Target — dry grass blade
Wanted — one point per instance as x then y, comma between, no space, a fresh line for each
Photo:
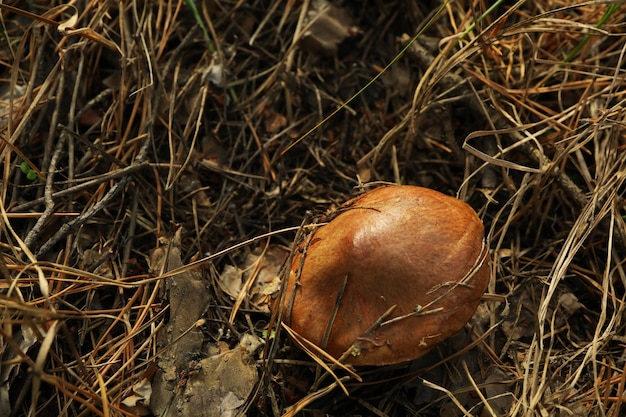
318,355
295,409
449,394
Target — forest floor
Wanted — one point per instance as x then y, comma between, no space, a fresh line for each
160,157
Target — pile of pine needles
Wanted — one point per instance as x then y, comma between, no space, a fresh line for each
144,141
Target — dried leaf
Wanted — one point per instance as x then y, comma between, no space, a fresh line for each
90,34
328,26
181,339
569,304
220,384
216,74
231,280
25,338
139,399
263,268
273,121
230,403
68,28
69,24
498,390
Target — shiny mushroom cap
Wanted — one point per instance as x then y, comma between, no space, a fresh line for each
410,247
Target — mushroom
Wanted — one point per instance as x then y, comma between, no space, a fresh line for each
397,270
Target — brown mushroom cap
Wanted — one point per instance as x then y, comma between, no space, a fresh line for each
407,246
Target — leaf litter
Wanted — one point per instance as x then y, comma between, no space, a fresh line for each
172,147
